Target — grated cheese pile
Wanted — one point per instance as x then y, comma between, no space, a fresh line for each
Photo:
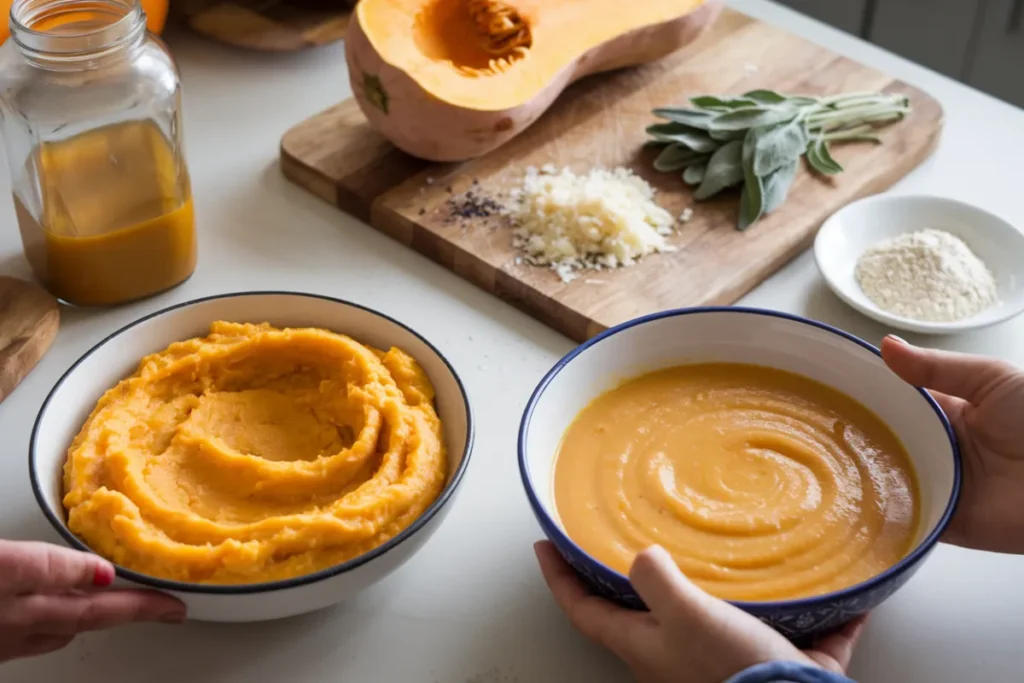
604,219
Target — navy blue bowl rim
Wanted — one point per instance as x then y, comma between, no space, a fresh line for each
767,607
267,586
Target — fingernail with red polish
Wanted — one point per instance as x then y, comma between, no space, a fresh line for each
104,575
175,617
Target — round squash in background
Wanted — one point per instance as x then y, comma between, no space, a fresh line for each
156,16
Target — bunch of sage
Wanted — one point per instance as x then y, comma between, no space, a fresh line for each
756,141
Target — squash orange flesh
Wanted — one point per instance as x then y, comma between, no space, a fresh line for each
156,16
438,45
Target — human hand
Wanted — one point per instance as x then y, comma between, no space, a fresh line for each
49,594
688,636
984,400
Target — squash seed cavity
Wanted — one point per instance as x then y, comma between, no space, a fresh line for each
478,38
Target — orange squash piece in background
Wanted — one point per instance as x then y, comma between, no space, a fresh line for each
156,16
450,80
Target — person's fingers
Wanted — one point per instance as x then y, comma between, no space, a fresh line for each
835,651
682,606
953,407
42,644
620,630
32,567
664,588
70,614
959,375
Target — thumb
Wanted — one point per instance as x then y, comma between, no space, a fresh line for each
835,651
33,567
955,374
665,589
721,636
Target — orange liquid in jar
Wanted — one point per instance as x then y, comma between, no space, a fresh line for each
116,221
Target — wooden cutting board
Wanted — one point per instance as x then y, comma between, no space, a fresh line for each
600,121
29,318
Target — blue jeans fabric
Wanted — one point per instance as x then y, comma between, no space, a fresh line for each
787,672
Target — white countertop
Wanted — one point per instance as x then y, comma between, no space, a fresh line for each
471,606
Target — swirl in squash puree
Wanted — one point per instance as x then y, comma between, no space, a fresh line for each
255,454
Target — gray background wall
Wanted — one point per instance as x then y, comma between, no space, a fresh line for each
979,42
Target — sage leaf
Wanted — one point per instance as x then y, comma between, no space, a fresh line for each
803,102
694,175
727,135
755,140
826,155
779,146
777,184
701,160
725,170
820,158
676,158
772,97
712,102
750,205
866,137
688,117
813,161
697,140
753,117
765,97
667,129
752,199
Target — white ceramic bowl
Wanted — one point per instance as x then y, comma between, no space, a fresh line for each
72,399
862,224
765,338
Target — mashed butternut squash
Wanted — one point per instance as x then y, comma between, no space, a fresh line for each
255,454
763,485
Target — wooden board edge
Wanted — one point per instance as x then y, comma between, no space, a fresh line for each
466,265
30,352
318,184
221,21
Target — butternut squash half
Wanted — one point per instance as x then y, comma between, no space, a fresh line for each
449,80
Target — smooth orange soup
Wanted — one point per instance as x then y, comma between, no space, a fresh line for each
762,484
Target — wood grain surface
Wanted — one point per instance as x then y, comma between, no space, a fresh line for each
29,318
267,25
600,121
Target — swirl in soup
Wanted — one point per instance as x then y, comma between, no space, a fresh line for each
762,484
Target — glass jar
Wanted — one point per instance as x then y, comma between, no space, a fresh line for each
90,115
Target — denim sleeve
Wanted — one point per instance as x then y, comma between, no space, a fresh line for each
787,672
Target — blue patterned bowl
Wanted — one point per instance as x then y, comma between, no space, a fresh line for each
766,338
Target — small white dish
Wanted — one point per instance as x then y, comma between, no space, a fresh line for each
72,399
862,224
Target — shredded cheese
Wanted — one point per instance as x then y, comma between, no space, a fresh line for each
604,219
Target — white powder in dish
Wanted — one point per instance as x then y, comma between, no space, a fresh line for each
928,275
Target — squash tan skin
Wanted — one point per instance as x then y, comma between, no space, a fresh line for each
424,126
